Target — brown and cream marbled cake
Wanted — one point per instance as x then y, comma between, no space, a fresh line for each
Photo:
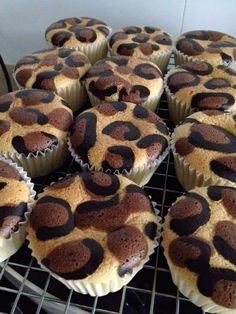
120,78
96,239
199,241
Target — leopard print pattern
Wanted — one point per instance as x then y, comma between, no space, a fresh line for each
121,78
12,205
203,86
51,69
215,47
140,41
73,32
32,120
200,242
119,136
108,221
207,140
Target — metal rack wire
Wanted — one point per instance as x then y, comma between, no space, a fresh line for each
26,288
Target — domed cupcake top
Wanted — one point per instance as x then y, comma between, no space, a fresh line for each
119,136
32,120
200,241
207,141
73,32
204,86
14,196
212,46
121,78
139,41
51,69
108,221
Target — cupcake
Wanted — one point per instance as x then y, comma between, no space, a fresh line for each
95,240
198,86
204,149
86,34
199,241
146,42
214,47
121,78
14,207
60,70
34,125
120,138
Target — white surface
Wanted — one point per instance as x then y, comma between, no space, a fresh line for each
23,22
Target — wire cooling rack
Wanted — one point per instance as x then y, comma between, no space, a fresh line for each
26,288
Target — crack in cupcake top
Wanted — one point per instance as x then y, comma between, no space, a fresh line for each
120,78
215,47
12,205
210,137
32,120
201,86
76,32
119,136
108,219
208,248
140,41
51,69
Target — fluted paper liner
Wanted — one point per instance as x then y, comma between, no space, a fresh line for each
140,175
113,284
9,246
42,162
190,177
192,292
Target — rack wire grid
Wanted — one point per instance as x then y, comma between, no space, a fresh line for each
26,288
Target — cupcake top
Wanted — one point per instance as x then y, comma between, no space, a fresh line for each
140,41
199,239
121,78
102,231
212,46
119,136
14,196
76,32
203,86
32,120
51,69
207,141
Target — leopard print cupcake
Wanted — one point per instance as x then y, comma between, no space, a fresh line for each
122,138
16,199
199,241
60,70
204,149
95,240
146,42
121,78
34,125
215,47
86,34
198,86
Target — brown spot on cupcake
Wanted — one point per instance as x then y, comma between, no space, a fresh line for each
118,157
8,171
45,80
210,100
4,126
147,71
180,80
114,160
146,49
61,119
99,68
23,76
27,116
210,133
217,83
214,36
117,36
33,97
183,147
48,60
110,109
122,131
124,69
189,47
162,39
70,72
224,293
224,167
141,38
185,207
5,102
129,246
64,183
213,112
8,225
229,201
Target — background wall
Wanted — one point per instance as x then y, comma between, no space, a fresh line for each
23,22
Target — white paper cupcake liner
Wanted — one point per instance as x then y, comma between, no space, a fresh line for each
189,177
113,284
140,175
9,246
178,110
74,94
43,162
152,103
